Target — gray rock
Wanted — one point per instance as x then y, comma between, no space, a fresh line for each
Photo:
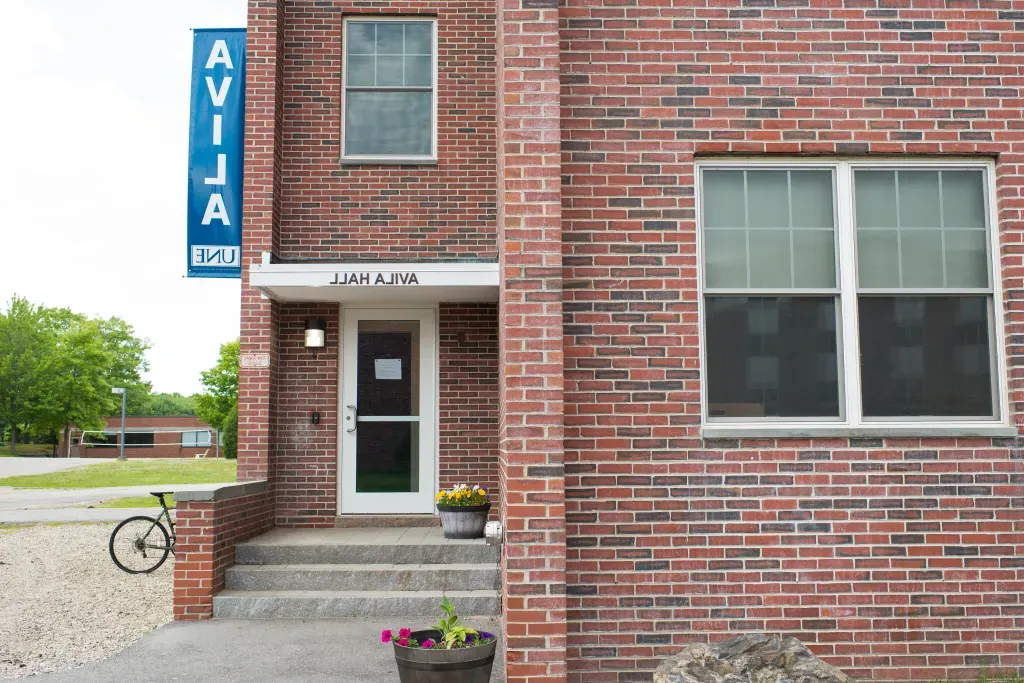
748,659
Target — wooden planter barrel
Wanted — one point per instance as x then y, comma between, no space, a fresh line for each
463,521
437,665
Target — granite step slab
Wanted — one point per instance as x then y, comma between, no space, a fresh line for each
234,604
260,552
363,577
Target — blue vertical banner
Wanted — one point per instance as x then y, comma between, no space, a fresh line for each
215,149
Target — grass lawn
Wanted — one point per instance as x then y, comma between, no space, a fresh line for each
135,502
130,473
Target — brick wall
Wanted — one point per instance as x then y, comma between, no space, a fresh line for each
207,533
261,220
160,450
530,352
468,407
893,559
305,460
437,211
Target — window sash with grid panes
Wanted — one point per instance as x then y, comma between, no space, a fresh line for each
388,81
196,439
847,293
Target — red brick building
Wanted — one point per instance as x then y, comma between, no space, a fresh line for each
145,437
722,301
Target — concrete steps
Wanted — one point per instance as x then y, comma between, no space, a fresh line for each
362,577
254,552
342,573
346,604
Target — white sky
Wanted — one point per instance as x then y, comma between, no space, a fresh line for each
93,171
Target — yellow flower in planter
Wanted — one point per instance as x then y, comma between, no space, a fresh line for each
483,492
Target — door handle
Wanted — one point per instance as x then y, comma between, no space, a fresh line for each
354,418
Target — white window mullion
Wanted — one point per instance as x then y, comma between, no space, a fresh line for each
850,341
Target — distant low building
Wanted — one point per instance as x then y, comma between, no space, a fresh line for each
145,437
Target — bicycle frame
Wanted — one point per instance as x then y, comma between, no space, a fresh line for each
165,513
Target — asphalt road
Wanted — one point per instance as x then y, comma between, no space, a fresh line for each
27,499
15,467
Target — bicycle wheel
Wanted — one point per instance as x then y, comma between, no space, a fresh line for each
139,545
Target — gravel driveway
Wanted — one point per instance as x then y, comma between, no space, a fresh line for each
64,603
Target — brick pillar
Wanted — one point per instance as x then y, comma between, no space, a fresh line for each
259,316
209,524
530,322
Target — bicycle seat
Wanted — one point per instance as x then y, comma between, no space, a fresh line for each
160,493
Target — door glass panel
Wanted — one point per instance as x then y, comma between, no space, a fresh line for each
387,457
388,386
388,368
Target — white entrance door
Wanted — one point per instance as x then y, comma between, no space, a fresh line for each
388,420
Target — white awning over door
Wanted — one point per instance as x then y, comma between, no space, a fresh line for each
352,282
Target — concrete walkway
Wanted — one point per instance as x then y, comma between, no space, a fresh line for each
273,651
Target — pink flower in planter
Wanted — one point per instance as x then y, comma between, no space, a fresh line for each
428,643
385,636
404,632
404,642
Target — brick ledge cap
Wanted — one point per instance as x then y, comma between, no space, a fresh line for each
222,492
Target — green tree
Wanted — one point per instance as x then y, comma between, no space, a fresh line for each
218,405
23,346
128,362
231,434
171,404
220,382
75,380
57,367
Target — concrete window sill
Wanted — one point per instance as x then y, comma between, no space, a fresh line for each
389,161
724,431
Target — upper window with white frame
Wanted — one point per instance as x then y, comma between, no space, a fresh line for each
389,90
849,293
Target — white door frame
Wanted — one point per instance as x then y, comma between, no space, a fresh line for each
421,502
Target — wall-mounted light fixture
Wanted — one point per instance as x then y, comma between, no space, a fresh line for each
316,334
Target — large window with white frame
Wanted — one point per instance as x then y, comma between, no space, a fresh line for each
389,111
849,293
198,439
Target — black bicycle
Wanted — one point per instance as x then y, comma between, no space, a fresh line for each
139,545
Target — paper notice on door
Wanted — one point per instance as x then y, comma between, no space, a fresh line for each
387,368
